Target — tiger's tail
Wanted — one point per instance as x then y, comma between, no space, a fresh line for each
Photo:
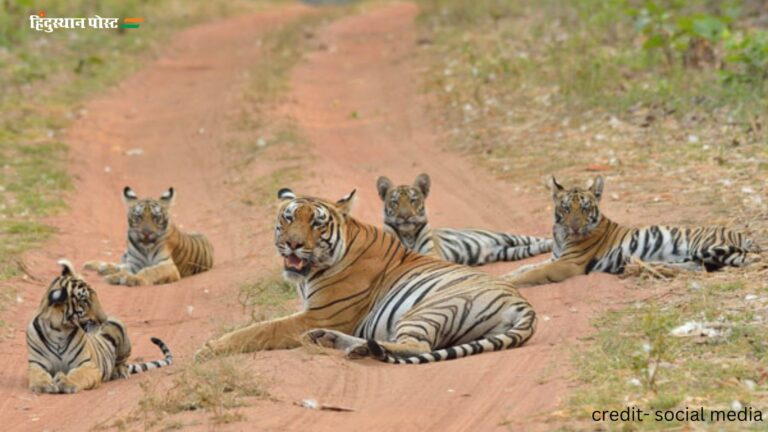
135,368
516,336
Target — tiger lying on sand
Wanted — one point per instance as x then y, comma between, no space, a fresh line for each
405,215
365,293
586,242
157,251
73,345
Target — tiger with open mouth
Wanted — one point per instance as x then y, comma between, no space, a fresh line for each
365,293
157,252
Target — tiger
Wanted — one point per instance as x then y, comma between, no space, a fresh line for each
157,251
73,345
405,216
586,241
365,293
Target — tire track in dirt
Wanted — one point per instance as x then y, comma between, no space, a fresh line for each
176,110
361,106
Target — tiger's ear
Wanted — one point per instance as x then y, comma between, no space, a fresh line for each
596,186
285,194
345,204
383,184
555,187
67,269
129,196
167,197
423,183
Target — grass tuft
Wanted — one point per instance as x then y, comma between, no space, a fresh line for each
267,298
216,388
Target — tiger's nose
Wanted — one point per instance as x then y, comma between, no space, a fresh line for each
294,244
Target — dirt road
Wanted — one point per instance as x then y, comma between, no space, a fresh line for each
359,103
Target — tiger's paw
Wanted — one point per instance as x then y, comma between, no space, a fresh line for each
207,352
126,279
61,381
97,266
46,387
752,258
92,265
101,267
358,352
321,337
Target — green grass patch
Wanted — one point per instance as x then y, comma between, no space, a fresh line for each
559,87
635,360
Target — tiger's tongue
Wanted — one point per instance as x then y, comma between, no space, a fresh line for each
294,261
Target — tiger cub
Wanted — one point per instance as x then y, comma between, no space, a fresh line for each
157,251
73,345
586,242
405,215
364,293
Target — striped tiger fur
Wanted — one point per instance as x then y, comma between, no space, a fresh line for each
405,216
73,345
365,293
586,242
157,251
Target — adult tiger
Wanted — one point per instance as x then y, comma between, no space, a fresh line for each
586,242
157,251
365,293
73,345
405,215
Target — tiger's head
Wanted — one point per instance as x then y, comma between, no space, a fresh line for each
310,233
576,209
148,219
70,302
405,209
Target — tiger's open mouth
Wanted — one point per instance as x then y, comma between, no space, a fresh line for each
407,226
295,264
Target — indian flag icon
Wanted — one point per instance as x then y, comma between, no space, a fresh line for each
132,22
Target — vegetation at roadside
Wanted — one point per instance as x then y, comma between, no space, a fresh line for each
704,343
267,298
576,87
665,98
216,389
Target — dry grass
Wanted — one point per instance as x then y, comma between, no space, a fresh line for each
267,298
216,388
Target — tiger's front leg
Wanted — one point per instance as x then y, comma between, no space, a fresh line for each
84,377
280,333
104,268
125,278
526,268
40,381
165,272
556,271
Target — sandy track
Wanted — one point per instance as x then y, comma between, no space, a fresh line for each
174,113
